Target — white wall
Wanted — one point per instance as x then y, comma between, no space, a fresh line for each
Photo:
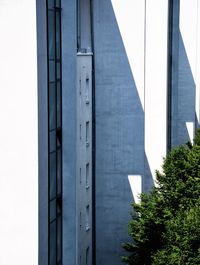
189,29
18,133
156,82
144,34
198,65
130,17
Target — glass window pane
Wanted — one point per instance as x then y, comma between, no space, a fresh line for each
52,254
52,210
59,137
52,139
51,71
57,3
52,174
59,172
59,239
58,35
58,104
52,106
58,70
50,3
59,205
51,34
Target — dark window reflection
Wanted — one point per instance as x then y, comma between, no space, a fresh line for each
52,106
51,34
58,70
55,131
59,183
52,252
52,141
57,35
52,72
52,175
50,3
52,210
57,3
58,104
59,253
59,137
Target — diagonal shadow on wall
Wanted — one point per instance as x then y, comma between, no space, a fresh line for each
119,136
183,95
120,129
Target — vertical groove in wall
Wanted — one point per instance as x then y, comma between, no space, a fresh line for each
169,74
93,139
145,4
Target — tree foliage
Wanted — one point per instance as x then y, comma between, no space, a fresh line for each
165,226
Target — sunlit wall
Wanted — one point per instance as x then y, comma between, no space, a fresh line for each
18,134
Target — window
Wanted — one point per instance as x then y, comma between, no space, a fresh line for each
80,132
87,101
80,176
87,133
54,131
87,227
84,42
87,175
80,221
87,256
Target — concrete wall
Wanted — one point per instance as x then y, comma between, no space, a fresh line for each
42,131
130,45
84,164
69,130
18,133
185,71
119,121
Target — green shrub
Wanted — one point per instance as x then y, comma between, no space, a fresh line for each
165,226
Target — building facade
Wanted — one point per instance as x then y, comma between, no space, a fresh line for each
116,85
130,92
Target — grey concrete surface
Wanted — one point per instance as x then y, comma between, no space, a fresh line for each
84,183
119,136
69,130
186,94
183,86
43,131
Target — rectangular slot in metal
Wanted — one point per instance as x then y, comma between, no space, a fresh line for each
87,227
87,133
87,175
87,255
87,84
